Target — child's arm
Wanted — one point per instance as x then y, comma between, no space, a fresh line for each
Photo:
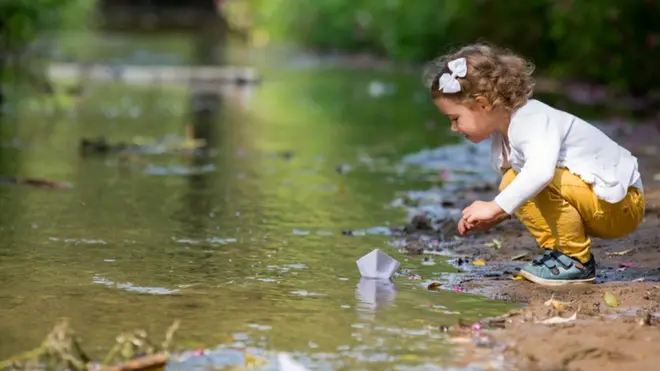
539,140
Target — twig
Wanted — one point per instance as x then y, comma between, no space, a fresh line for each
61,349
144,363
30,354
111,354
169,335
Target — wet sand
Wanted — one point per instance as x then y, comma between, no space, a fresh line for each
601,336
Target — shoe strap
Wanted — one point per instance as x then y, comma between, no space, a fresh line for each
565,261
550,259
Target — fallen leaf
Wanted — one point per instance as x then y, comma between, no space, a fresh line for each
558,305
479,262
558,320
619,253
495,244
435,286
610,300
519,256
252,361
517,278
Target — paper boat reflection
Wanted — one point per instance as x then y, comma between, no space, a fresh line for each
375,293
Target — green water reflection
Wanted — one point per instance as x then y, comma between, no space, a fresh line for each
129,247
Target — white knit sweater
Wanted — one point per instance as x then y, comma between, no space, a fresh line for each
542,138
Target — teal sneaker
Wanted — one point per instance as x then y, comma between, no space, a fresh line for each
556,269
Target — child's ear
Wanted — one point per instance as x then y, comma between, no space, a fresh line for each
483,103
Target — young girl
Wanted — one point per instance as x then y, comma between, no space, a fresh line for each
564,179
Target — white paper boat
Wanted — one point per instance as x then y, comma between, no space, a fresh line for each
377,265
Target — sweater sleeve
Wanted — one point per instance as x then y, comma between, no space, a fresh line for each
539,141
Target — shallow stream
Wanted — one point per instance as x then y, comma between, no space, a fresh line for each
244,243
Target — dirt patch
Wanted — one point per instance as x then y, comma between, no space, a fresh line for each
600,336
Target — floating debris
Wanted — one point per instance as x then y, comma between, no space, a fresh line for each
133,288
76,241
300,232
212,240
179,170
306,293
260,327
144,146
434,286
376,231
428,261
35,182
222,241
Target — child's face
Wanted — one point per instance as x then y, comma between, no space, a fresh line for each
476,123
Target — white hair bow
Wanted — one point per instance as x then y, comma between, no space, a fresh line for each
448,82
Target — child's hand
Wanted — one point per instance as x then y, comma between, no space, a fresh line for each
463,227
481,212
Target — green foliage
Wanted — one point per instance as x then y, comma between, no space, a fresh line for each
22,20
609,41
391,27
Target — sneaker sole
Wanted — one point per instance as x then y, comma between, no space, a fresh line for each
546,282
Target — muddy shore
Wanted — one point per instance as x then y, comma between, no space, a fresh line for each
599,336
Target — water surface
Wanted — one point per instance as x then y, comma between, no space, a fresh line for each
243,243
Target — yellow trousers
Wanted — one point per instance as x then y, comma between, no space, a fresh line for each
564,214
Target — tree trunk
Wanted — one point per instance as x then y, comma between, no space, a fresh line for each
3,58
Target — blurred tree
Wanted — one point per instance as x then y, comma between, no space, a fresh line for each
606,41
21,21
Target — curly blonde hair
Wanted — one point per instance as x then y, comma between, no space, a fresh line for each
499,75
